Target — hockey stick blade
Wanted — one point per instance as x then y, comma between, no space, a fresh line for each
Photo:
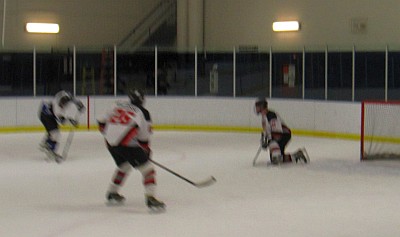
68,144
211,180
201,184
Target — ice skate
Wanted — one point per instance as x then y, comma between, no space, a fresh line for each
51,155
154,204
115,199
302,156
58,158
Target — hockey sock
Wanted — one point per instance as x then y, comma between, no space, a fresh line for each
119,177
149,178
52,145
53,138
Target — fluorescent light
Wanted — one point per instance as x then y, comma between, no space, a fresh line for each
51,28
286,26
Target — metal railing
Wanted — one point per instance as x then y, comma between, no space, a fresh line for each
323,74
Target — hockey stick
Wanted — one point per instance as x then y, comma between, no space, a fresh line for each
69,139
68,143
256,157
201,184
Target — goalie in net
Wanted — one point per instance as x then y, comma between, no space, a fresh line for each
276,135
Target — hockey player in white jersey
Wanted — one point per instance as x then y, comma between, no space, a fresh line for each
276,135
127,128
64,108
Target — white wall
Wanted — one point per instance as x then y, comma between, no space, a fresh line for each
232,23
331,117
84,23
228,23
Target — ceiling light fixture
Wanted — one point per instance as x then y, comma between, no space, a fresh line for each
46,28
279,26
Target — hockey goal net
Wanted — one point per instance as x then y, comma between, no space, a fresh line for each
380,130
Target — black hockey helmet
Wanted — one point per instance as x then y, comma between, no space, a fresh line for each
261,103
65,98
136,96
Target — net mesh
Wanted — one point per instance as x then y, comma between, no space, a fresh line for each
381,130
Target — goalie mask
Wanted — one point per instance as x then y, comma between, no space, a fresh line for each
136,96
261,104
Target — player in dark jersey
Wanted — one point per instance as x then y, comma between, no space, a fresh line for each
276,135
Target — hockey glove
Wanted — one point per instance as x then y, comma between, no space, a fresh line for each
74,122
101,126
61,120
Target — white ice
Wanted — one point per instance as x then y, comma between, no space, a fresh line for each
335,195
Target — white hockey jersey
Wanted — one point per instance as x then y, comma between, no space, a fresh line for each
61,114
127,125
273,125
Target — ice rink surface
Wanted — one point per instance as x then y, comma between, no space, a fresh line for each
335,195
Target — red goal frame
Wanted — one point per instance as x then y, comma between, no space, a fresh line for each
362,133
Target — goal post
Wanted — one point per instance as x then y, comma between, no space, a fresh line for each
380,130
